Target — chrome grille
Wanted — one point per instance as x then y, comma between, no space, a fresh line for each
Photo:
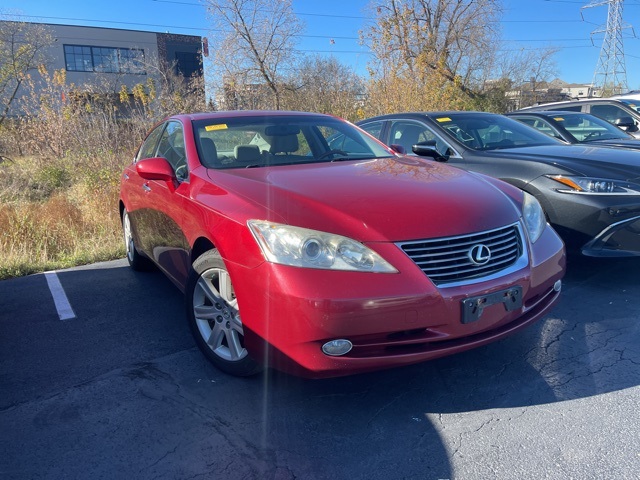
448,260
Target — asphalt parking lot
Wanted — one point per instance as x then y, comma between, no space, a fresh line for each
110,385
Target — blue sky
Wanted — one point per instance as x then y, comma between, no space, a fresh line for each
332,26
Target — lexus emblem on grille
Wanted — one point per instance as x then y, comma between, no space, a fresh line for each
479,254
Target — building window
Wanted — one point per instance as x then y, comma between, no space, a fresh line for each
78,59
84,58
188,64
105,59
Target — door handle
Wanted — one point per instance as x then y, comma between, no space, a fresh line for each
146,187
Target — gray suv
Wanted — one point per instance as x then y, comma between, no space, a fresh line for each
622,113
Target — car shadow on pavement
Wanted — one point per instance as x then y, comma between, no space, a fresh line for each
164,412
391,421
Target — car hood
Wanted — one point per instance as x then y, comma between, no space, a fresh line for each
392,199
600,161
632,143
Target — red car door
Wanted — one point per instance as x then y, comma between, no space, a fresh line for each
157,207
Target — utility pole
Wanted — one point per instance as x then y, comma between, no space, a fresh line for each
610,76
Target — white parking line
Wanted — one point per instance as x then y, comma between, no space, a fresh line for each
65,312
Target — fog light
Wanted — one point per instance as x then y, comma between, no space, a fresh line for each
557,286
335,348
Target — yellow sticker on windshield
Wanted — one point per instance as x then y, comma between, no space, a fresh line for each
443,119
220,126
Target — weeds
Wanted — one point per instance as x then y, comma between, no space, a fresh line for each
60,165
67,229
58,212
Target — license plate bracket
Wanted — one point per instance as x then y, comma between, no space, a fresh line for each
473,307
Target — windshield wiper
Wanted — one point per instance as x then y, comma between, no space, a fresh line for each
595,140
343,159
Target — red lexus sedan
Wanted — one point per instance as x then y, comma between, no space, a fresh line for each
304,244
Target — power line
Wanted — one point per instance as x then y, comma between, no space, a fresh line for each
328,37
116,22
204,29
159,25
304,14
362,17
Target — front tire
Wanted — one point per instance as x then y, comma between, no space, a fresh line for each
214,317
136,261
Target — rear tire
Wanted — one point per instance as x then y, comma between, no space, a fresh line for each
214,317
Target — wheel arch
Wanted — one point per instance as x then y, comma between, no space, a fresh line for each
201,245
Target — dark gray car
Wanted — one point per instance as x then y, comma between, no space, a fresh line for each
591,195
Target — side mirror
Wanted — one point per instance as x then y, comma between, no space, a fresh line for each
626,123
156,168
398,148
429,151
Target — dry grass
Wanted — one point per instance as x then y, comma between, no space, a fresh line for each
46,225
59,186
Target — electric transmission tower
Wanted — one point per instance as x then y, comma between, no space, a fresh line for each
610,76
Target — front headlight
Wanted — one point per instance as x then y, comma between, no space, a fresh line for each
594,186
302,247
533,217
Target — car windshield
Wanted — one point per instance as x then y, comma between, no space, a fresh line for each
588,128
272,140
479,131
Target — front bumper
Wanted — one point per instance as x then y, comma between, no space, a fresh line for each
620,239
398,319
596,225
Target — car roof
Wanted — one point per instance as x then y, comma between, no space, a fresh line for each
246,113
576,102
548,113
428,114
632,95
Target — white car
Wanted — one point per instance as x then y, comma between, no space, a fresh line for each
633,95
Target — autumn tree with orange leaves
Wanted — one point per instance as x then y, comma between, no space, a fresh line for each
431,54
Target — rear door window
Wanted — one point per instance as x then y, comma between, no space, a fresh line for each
374,129
611,113
539,124
408,133
567,108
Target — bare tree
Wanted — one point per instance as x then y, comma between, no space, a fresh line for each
256,45
532,68
323,84
454,39
23,49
